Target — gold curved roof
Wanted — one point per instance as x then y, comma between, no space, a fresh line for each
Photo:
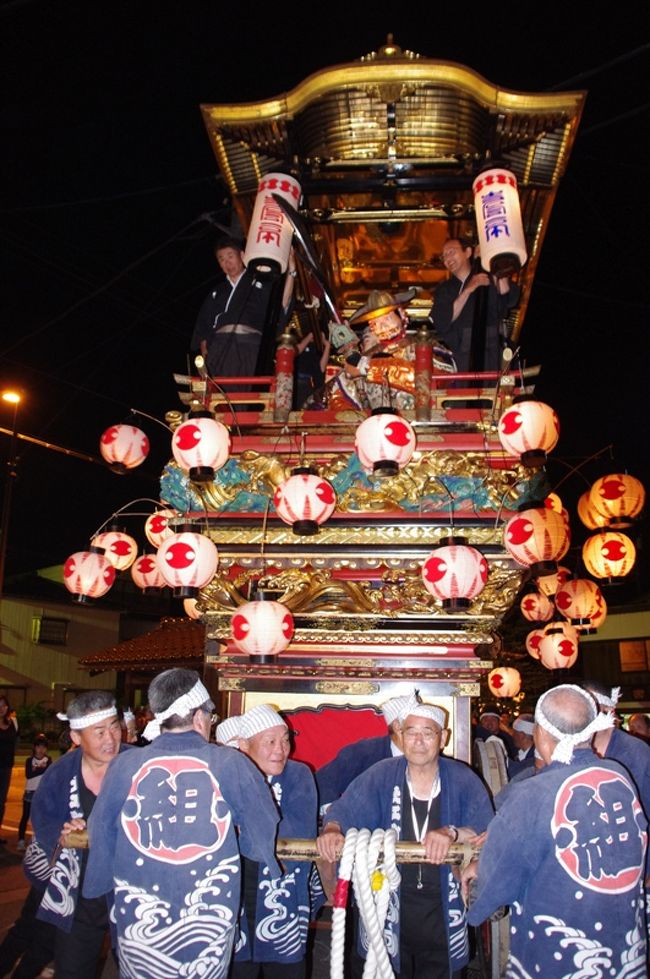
385,150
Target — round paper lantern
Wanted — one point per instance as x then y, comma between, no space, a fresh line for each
577,600
597,618
537,538
187,561
119,547
88,574
536,607
156,526
498,221
455,573
504,681
124,447
262,629
201,446
558,648
533,639
588,513
608,554
384,442
146,574
305,501
548,584
618,498
529,429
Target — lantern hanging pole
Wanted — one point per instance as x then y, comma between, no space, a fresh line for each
140,499
136,411
199,362
576,469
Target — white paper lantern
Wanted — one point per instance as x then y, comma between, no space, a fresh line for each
618,498
504,681
201,446
262,629
124,447
146,574
536,538
156,526
608,554
455,574
305,501
187,561
529,430
120,548
270,233
384,442
558,648
536,607
498,221
88,574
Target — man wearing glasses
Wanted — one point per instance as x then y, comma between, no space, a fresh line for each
427,798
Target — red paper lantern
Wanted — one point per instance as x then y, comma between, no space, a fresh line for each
455,573
201,446
618,498
156,526
504,681
124,447
558,648
529,429
536,607
608,554
187,561
588,514
88,574
548,584
384,442
262,629
533,639
577,600
120,548
536,538
305,501
146,574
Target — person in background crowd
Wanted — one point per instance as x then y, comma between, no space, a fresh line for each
639,726
275,913
522,737
8,738
566,852
35,767
166,835
489,726
432,799
333,778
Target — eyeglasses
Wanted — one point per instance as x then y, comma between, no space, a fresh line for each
213,717
426,733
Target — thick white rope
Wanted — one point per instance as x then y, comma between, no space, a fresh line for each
340,900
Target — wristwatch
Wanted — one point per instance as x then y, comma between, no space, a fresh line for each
452,829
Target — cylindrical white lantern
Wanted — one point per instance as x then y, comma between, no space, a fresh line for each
262,629
529,429
270,232
88,574
498,221
305,501
187,561
124,447
201,446
384,442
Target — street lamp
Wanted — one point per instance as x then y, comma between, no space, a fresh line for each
12,398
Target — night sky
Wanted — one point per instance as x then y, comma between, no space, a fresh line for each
108,175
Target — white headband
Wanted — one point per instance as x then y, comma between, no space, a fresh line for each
128,715
182,706
526,727
259,719
228,731
563,750
435,714
606,701
392,708
77,723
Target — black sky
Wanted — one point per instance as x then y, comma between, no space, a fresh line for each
107,168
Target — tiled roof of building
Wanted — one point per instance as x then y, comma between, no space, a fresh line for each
176,642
